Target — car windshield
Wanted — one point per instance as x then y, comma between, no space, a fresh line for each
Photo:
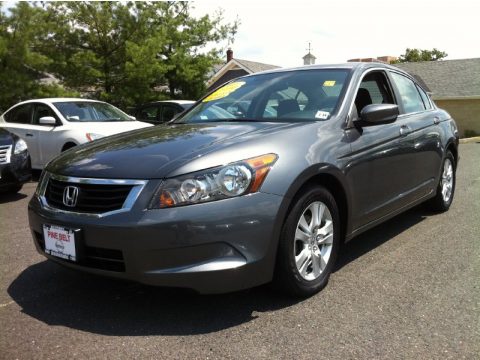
301,95
88,111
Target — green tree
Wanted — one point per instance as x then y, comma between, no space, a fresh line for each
124,52
416,55
22,65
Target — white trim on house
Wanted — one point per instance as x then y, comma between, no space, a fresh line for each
231,65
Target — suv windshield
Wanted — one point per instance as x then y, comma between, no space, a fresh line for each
302,95
87,111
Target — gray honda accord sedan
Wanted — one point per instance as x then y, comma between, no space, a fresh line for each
261,180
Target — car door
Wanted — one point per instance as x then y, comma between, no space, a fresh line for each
47,136
421,119
19,121
378,172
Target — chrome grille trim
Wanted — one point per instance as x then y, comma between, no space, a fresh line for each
137,187
5,154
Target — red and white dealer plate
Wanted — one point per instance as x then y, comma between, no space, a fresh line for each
59,242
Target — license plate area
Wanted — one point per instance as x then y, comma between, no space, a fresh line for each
60,242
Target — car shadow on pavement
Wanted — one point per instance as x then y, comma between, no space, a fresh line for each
6,198
380,234
59,296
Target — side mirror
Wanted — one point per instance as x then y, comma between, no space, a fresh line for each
132,117
376,114
47,120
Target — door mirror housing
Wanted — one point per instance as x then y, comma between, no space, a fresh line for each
132,117
47,120
376,114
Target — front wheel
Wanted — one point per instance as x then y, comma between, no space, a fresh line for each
446,185
309,243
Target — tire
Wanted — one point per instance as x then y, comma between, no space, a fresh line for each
446,185
300,271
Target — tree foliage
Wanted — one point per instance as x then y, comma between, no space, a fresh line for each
123,52
417,55
22,66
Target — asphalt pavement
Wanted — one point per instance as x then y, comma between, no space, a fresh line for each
408,289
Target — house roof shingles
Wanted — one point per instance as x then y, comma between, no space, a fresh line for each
448,78
255,67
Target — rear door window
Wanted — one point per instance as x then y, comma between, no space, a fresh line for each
411,99
426,100
20,115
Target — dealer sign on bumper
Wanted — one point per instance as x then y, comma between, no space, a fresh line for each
59,242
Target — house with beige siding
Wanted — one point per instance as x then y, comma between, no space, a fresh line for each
454,85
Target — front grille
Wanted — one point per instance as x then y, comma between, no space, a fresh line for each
92,198
97,258
5,152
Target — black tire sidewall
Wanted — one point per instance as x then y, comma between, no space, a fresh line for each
291,279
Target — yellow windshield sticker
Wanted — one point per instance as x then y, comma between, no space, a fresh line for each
224,91
329,83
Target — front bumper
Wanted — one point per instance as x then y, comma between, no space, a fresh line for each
214,247
18,171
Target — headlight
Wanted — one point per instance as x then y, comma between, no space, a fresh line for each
93,136
235,179
20,146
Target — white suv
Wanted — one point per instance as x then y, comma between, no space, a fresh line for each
50,126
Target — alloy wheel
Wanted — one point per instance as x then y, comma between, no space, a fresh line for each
313,240
447,180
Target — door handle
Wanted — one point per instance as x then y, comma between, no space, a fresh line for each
29,135
405,130
436,120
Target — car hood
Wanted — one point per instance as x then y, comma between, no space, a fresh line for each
155,152
107,128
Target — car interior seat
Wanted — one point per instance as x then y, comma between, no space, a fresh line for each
363,99
287,106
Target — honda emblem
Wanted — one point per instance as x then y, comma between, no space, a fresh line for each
70,196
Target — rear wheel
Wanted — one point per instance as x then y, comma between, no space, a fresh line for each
446,185
309,243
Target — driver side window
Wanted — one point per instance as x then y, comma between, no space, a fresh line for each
42,110
374,89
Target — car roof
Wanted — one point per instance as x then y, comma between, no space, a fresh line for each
348,66
179,102
52,100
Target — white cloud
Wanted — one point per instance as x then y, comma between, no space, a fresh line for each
278,32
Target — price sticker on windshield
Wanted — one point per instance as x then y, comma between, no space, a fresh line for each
224,91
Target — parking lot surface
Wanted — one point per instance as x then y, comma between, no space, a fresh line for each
410,288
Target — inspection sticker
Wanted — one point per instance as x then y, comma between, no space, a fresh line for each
224,91
329,83
322,115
